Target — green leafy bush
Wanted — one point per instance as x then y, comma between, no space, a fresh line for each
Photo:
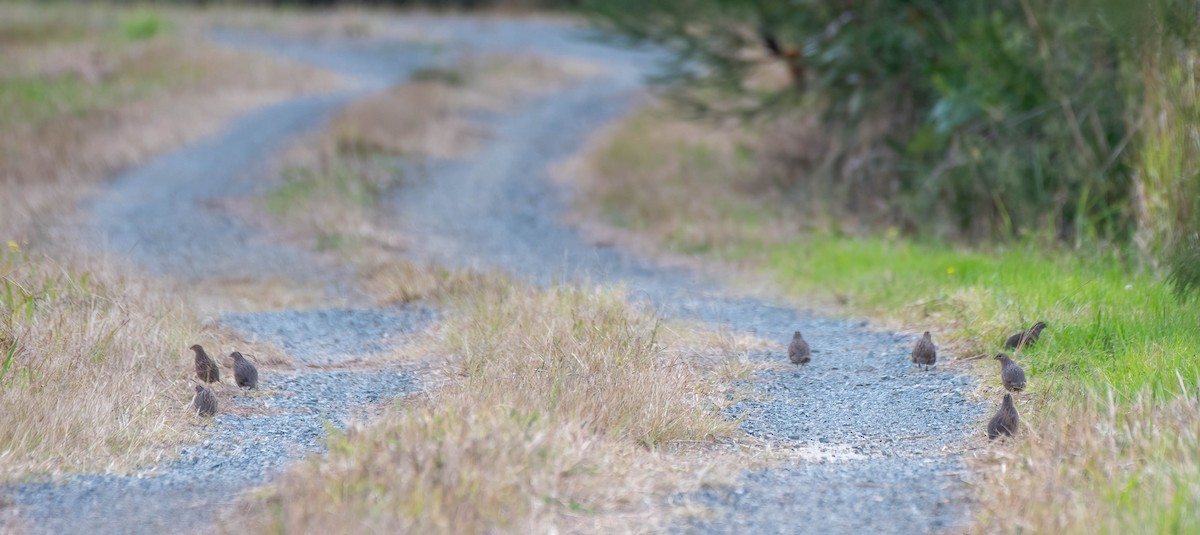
976,118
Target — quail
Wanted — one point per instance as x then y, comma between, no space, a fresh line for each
244,372
793,56
1025,338
798,351
1006,419
1011,373
206,368
924,353
204,402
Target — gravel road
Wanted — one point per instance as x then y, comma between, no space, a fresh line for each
861,394
861,397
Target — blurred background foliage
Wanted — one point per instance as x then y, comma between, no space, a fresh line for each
1064,121
1070,123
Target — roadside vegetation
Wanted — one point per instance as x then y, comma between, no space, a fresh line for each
93,355
1109,418
968,169
563,408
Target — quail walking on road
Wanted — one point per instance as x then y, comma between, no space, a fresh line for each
1011,373
1006,419
204,402
206,368
244,371
798,351
924,353
1025,338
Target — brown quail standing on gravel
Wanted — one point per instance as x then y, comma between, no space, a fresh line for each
798,351
206,368
1025,338
1006,419
1011,373
924,353
204,402
244,371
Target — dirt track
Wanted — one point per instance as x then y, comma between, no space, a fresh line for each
860,398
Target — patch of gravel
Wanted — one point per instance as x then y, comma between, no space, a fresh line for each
875,402
331,335
208,478
810,498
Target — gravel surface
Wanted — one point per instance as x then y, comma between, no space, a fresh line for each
915,497
333,335
885,422
243,451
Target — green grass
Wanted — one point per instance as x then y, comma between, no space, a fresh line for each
143,25
341,182
36,94
36,99
1109,326
450,77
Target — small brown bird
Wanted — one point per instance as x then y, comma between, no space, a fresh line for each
924,353
244,371
1011,373
206,368
791,55
1025,338
798,351
204,402
1006,419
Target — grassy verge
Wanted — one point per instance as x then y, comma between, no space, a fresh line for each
94,370
86,91
1110,440
94,363
559,409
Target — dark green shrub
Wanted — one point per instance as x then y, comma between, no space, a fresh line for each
1183,269
992,118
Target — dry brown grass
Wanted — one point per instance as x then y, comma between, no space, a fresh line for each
664,179
427,116
94,368
561,409
1097,466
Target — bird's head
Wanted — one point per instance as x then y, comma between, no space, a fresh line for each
1037,327
199,389
927,335
1001,357
236,355
196,348
1008,400
796,336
